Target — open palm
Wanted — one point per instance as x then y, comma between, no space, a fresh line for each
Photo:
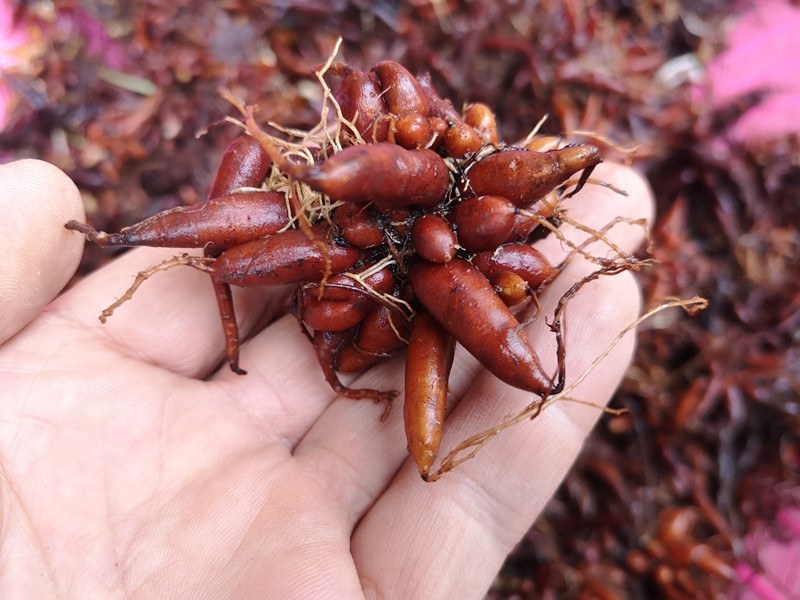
132,464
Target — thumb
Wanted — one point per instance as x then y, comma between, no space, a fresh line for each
38,256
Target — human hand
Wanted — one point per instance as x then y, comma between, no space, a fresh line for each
134,465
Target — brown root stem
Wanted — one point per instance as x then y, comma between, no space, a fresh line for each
196,262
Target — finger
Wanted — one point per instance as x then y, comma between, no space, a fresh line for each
39,256
368,453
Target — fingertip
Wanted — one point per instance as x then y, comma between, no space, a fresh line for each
39,255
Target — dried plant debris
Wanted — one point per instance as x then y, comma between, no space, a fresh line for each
114,94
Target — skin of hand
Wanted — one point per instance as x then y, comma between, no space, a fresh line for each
134,465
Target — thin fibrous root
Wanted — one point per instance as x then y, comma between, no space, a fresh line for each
386,411
578,248
200,263
603,141
594,181
535,131
470,447
600,234
596,235
557,328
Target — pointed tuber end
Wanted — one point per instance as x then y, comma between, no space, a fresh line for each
100,238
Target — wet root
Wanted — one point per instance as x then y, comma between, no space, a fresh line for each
201,263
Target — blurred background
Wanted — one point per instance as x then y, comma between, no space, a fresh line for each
694,492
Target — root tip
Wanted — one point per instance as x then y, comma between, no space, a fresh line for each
388,397
98,237
74,225
237,369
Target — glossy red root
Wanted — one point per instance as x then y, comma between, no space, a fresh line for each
326,345
225,222
524,176
466,305
522,260
386,174
286,257
433,239
361,100
380,335
244,164
428,361
483,222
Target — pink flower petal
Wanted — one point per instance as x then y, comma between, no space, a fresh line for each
12,37
779,576
763,51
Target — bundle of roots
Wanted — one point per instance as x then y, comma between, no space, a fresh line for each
405,224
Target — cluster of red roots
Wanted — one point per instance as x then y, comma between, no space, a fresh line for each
408,226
